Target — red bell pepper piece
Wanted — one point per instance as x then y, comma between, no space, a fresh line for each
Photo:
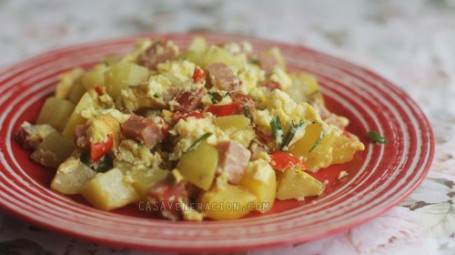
282,161
222,110
99,149
198,75
99,90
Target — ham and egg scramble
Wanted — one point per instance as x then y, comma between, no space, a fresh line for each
189,131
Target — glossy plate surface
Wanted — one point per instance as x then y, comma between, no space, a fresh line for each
379,177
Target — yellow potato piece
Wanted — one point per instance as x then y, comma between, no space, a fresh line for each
54,149
231,202
144,178
198,166
296,184
86,102
71,175
260,179
237,127
55,112
108,191
94,77
102,126
122,75
344,148
77,91
315,146
232,123
67,82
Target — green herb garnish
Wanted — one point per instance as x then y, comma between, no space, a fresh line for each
105,164
316,144
215,97
247,111
156,95
254,61
199,140
376,137
277,129
85,158
291,133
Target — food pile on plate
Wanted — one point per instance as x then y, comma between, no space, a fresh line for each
214,131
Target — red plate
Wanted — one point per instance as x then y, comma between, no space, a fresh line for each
379,178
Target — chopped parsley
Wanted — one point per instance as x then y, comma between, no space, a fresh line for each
376,137
215,97
277,129
102,166
105,164
254,61
291,133
247,111
318,141
85,158
199,140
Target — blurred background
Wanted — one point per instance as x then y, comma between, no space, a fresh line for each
411,43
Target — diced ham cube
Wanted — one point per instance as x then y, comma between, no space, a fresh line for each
222,77
190,100
271,85
233,158
30,136
143,129
243,100
80,137
267,62
159,52
167,196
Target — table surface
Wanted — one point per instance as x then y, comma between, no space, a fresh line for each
412,45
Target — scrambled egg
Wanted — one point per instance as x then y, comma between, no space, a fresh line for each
137,154
189,130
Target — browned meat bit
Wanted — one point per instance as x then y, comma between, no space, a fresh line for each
242,101
30,136
233,159
159,52
80,137
188,101
166,196
268,62
143,129
222,77
271,85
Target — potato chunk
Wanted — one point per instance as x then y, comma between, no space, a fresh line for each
94,77
55,112
237,127
260,179
77,91
144,178
122,75
230,202
344,148
108,191
315,146
296,184
198,166
54,149
86,102
71,175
